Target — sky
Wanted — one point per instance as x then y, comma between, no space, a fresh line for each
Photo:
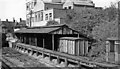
10,9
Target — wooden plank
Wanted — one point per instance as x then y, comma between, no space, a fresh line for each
20,39
35,41
86,47
53,42
43,43
74,53
78,35
25,39
29,40
81,47
118,49
65,46
78,47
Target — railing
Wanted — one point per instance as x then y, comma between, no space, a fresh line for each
76,59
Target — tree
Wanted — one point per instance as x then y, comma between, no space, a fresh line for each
100,24
112,12
85,20
108,28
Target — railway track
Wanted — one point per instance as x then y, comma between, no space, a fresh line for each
29,62
5,66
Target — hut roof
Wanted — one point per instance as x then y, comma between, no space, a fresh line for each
52,29
71,38
41,30
113,38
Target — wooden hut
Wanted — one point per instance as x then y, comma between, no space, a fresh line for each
47,36
113,50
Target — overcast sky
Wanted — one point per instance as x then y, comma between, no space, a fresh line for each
16,8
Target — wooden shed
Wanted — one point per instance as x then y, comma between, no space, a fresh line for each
47,36
73,45
113,50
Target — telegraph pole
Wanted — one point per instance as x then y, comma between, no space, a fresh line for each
119,20
30,18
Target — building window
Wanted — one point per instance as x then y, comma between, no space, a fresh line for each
112,49
35,1
65,7
27,7
50,16
41,16
32,5
36,18
46,17
70,7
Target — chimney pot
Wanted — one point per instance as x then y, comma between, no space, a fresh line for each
20,19
13,20
6,20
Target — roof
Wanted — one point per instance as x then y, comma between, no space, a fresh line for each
48,30
42,30
8,24
71,38
113,38
84,3
50,26
53,3
21,24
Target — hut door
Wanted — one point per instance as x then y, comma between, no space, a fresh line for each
112,48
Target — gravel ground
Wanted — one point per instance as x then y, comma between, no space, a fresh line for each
20,59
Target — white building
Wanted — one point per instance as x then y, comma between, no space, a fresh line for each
39,12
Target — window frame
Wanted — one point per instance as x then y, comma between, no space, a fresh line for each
50,16
46,16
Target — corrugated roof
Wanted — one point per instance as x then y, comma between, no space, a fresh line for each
71,38
84,3
41,30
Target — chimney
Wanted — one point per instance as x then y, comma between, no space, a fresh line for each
6,20
13,19
20,19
